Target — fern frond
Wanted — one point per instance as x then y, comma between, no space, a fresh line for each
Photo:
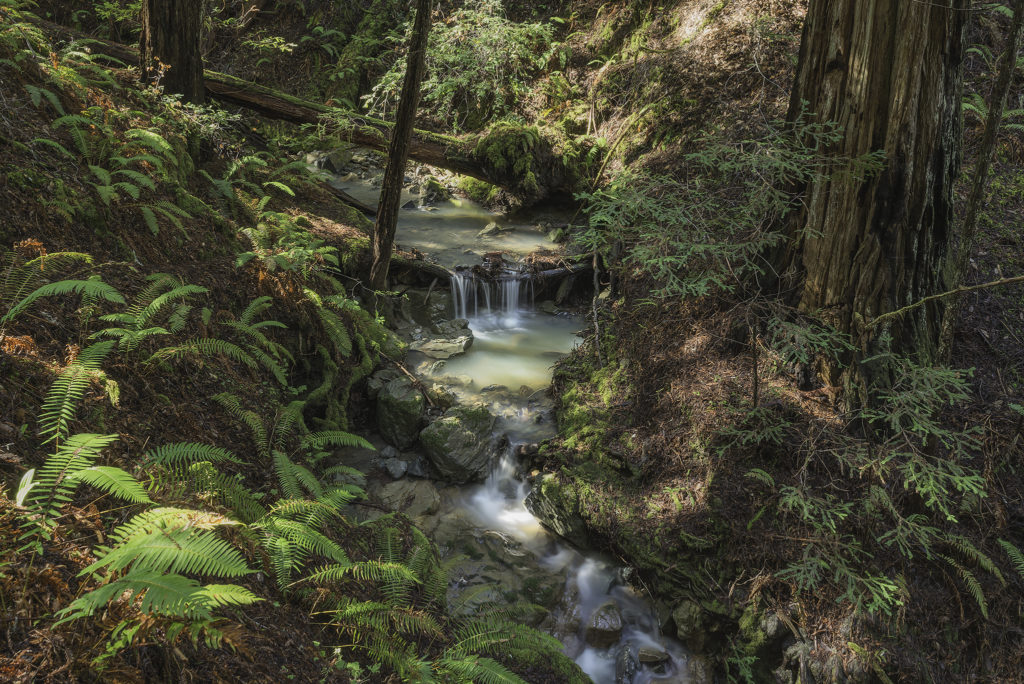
971,552
179,550
62,399
93,288
113,480
477,669
179,455
52,488
205,347
1016,557
972,584
334,438
373,571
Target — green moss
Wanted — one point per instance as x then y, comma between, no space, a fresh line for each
478,190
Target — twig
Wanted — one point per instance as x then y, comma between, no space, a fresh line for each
942,295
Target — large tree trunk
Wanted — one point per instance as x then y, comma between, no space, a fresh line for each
169,46
889,74
398,148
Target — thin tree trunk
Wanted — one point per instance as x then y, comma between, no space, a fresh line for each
398,149
169,47
996,105
889,75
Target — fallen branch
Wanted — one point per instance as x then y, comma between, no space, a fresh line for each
484,157
963,289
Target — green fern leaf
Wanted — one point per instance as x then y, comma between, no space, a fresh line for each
113,480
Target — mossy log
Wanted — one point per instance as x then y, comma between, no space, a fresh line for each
523,160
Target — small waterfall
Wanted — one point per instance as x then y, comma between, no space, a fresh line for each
473,296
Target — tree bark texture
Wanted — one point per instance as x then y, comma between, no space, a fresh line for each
888,73
398,148
171,32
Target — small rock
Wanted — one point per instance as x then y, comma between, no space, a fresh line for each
388,452
548,307
491,229
412,497
349,178
400,409
442,348
651,655
409,205
495,388
396,468
625,665
605,626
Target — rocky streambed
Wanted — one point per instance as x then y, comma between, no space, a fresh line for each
457,434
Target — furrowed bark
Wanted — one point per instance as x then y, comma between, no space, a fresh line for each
889,74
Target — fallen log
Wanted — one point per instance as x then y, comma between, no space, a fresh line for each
520,159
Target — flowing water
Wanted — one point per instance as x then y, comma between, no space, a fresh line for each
508,367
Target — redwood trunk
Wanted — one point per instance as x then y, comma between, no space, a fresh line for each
889,74
169,48
398,149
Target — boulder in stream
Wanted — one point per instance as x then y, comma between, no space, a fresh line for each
442,347
492,229
604,629
400,408
412,497
557,508
459,443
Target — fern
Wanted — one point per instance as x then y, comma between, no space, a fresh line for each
92,288
180,455
478,669
175,550
54,483
61,400
162,594
973,586
1015,555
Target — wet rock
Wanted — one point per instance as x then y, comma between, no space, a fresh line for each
458,444
418,467
400,409
336,160
441,395
377,381
396,467
456,327
409,205
434,191
492,229
412,497
557,508
651,656
548,307
442,348
495,388
388,451
604,628
625,665
689,619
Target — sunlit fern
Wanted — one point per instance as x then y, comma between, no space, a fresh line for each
161,308
24,280
63,397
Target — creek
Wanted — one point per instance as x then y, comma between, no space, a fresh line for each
504,555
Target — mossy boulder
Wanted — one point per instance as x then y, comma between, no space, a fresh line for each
459,443
400,408
557,507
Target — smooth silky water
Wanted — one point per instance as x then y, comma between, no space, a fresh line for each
508,368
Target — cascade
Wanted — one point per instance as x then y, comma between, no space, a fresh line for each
505,295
